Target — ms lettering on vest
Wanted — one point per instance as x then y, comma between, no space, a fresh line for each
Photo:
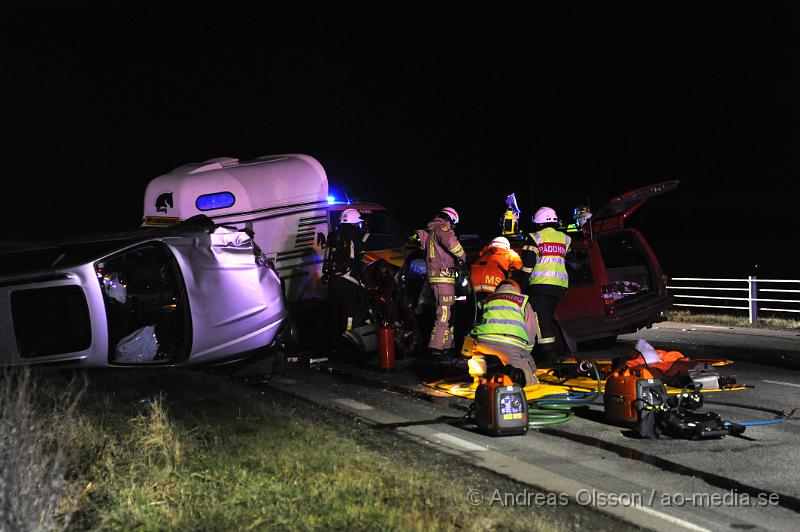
493,280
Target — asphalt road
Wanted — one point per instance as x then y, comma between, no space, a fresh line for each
747,482
770,347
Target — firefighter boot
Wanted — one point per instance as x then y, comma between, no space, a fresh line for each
448,362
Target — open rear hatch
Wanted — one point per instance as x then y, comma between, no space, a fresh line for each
627,256
613,215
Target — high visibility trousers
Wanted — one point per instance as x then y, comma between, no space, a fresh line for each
507,354
442,333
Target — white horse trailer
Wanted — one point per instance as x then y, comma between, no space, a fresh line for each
282,199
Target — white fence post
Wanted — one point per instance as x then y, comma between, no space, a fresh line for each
752,296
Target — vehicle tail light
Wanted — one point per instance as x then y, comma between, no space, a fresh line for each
608,299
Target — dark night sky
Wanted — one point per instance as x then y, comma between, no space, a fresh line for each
418,107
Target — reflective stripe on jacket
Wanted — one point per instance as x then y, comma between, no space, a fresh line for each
441,249
550,265
503,319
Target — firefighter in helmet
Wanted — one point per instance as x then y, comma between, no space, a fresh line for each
443,253
506,330
493,264
580,215
344,273
543,257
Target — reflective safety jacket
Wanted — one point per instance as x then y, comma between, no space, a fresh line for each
492,266
506,318
549,248
442,248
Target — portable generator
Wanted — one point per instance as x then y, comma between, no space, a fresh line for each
631,396
500,407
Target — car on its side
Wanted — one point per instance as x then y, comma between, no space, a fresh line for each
188,295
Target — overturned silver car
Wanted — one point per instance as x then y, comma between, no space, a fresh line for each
188,295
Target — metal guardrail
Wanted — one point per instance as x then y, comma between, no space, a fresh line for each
756,291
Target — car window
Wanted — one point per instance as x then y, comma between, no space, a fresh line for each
579,268
621,251
385,232
145,305
51,321
626,264
335,216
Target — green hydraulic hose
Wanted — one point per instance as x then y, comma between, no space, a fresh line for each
549,415
556,408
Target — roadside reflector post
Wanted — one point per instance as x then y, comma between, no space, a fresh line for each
752,298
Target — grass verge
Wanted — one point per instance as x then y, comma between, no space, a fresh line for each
164,449
733,321
36,437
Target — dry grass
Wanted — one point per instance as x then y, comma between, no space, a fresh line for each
171,450
38,430
733,321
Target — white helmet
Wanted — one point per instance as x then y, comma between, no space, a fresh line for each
350,216
545,215
500,242
451,213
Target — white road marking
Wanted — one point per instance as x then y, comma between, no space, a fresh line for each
783,383
355,405
458,442
671,519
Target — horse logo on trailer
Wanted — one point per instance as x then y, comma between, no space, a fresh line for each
163,202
